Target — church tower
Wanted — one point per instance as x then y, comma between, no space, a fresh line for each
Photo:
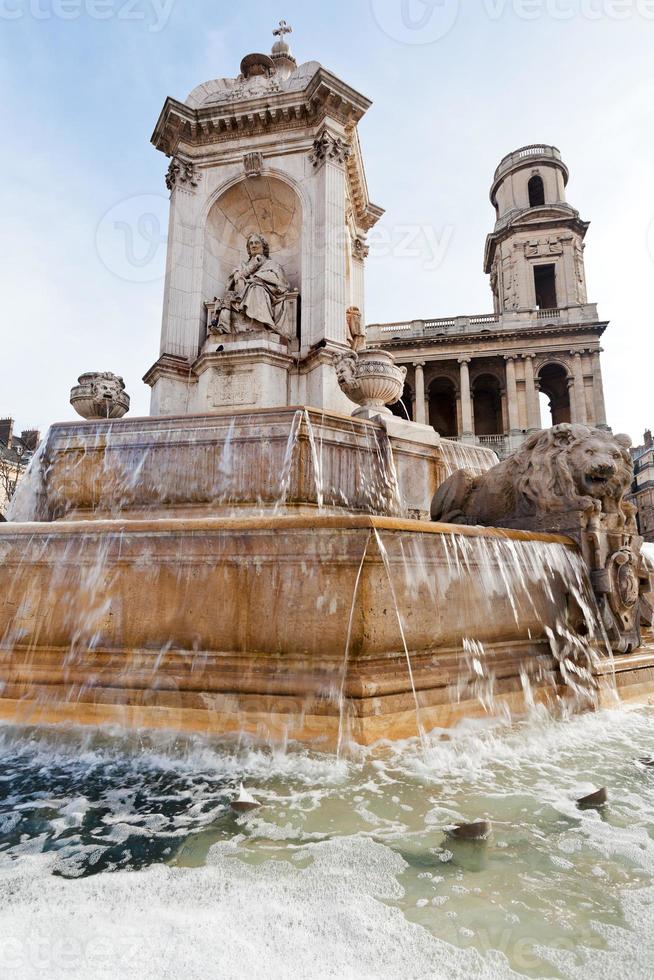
534,255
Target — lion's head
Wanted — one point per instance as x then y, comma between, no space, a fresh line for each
574,465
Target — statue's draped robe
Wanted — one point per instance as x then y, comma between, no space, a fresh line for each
265,294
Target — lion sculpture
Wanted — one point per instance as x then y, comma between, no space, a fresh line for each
558,470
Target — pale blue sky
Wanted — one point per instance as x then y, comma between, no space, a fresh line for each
83,82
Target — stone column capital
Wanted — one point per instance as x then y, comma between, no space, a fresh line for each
528,357
510,357
419,364
464,360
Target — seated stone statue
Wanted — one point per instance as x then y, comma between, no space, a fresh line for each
256,294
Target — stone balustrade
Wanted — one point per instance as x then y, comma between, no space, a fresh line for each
482,323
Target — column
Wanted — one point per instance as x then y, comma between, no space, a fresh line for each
531,392
511,394
578,388
419,400
598,391
466,400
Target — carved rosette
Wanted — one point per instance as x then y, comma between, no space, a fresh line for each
182,173
371,379
329,147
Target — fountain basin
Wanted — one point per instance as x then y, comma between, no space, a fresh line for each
280,626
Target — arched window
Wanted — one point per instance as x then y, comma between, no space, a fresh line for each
442,407
555,397
536,192
487,406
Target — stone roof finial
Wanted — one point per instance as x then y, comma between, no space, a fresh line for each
281,50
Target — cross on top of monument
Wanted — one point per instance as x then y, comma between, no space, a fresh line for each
283,29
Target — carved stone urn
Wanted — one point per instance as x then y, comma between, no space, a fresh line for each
100,395
371,379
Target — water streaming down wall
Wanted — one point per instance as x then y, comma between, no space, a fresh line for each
291,460
146,610
460,456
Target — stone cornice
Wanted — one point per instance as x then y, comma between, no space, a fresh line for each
324,96
367,214
168,366
469,339
550,219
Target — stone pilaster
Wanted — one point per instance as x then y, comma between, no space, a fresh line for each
579,395
598,391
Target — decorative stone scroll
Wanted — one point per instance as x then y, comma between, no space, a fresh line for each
570,479
329,147
181,172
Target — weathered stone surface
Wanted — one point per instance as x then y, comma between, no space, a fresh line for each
242,625
290,459
100,395
371,379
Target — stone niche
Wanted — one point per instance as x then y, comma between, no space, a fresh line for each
262,205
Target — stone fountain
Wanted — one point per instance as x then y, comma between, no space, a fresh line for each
258,554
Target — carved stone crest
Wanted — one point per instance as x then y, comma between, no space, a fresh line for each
253,164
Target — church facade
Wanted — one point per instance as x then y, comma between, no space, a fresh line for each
479,378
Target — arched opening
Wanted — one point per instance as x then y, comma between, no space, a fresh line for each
555,405
442,407
536,192
404,409
265,206
487,402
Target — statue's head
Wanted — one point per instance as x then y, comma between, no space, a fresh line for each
258,245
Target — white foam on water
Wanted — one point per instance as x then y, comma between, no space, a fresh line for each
344,871
227,920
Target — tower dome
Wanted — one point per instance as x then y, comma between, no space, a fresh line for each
534,255
533,176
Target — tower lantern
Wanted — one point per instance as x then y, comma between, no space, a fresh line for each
534,255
